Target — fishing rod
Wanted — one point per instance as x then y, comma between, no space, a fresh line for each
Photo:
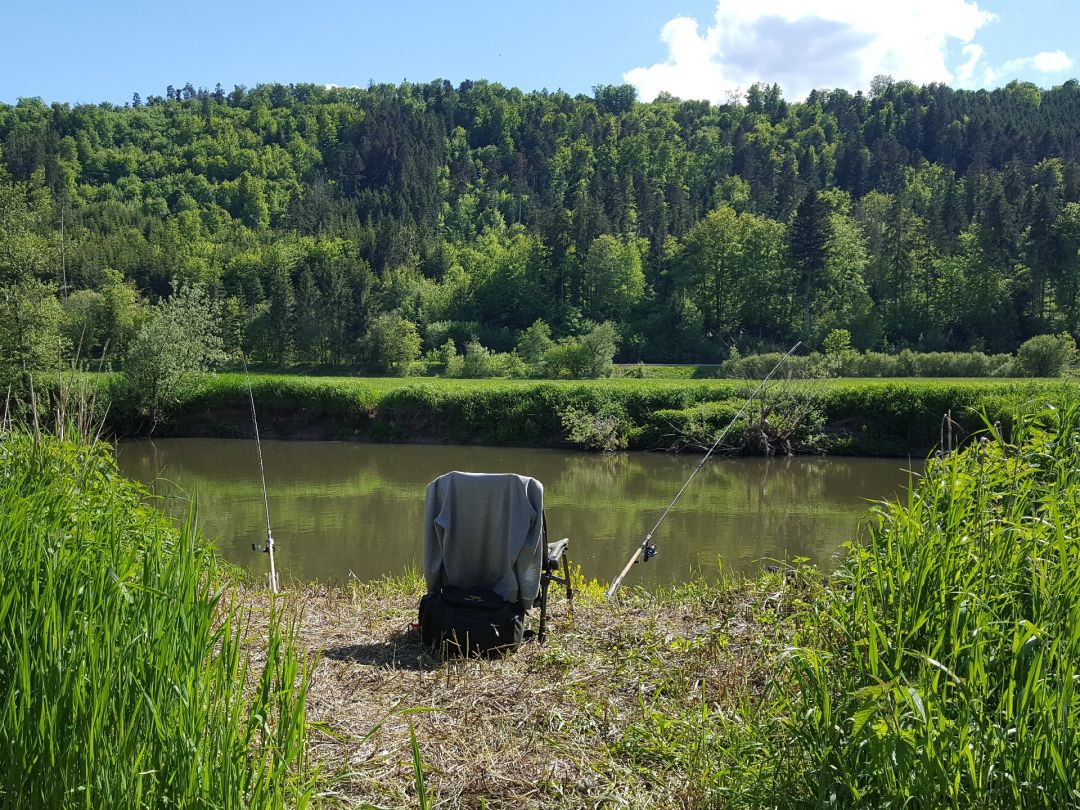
269,547
646,551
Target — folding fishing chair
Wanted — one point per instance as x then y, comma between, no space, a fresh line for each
487,562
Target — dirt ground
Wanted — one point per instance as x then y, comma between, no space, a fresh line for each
572,723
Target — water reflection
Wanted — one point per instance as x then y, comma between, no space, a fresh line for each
338,508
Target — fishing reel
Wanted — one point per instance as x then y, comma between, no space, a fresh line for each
648,551
268,548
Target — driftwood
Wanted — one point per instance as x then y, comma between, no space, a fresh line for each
769,429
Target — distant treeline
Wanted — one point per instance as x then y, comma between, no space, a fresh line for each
320,220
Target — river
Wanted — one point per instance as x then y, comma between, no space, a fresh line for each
343,509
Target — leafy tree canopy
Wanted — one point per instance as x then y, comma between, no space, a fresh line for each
912,217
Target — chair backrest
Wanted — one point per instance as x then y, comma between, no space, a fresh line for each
485,531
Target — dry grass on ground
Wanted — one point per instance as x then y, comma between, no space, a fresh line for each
596,717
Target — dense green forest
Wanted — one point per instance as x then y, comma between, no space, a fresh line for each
361,227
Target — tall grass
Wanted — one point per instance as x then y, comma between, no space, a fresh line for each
939,668
124,677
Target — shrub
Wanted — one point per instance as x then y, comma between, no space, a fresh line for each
179,341
391,343
565,358
478,361
952,364
508,364
875,364
533,342
455,366
440,356
601,342
839,358
756,366
1046,355
603,430
1005,367
587,356
697,426
907,364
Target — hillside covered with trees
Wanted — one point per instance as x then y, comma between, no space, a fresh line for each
361,227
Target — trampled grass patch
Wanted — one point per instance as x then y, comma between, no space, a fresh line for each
625,705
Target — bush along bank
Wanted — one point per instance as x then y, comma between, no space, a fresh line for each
855,417
126,679
1041,356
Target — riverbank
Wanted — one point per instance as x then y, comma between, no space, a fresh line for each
934,669
886,417
628,704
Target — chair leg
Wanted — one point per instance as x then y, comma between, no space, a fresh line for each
545,580
569,587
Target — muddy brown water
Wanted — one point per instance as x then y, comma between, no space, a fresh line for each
341,509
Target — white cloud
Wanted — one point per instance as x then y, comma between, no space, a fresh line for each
1044,62
1051,62
966,72
829,43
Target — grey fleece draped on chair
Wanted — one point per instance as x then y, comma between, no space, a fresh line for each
485,530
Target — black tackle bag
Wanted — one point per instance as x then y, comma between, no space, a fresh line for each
468,622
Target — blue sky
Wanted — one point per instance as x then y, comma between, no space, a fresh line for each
106,50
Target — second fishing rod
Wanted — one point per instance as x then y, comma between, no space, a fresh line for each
646,550
269,546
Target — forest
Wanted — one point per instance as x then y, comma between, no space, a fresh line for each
367,227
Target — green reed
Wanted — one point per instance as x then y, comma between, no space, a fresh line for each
125,678
939,667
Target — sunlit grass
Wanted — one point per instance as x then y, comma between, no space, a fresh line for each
126,679
938,668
